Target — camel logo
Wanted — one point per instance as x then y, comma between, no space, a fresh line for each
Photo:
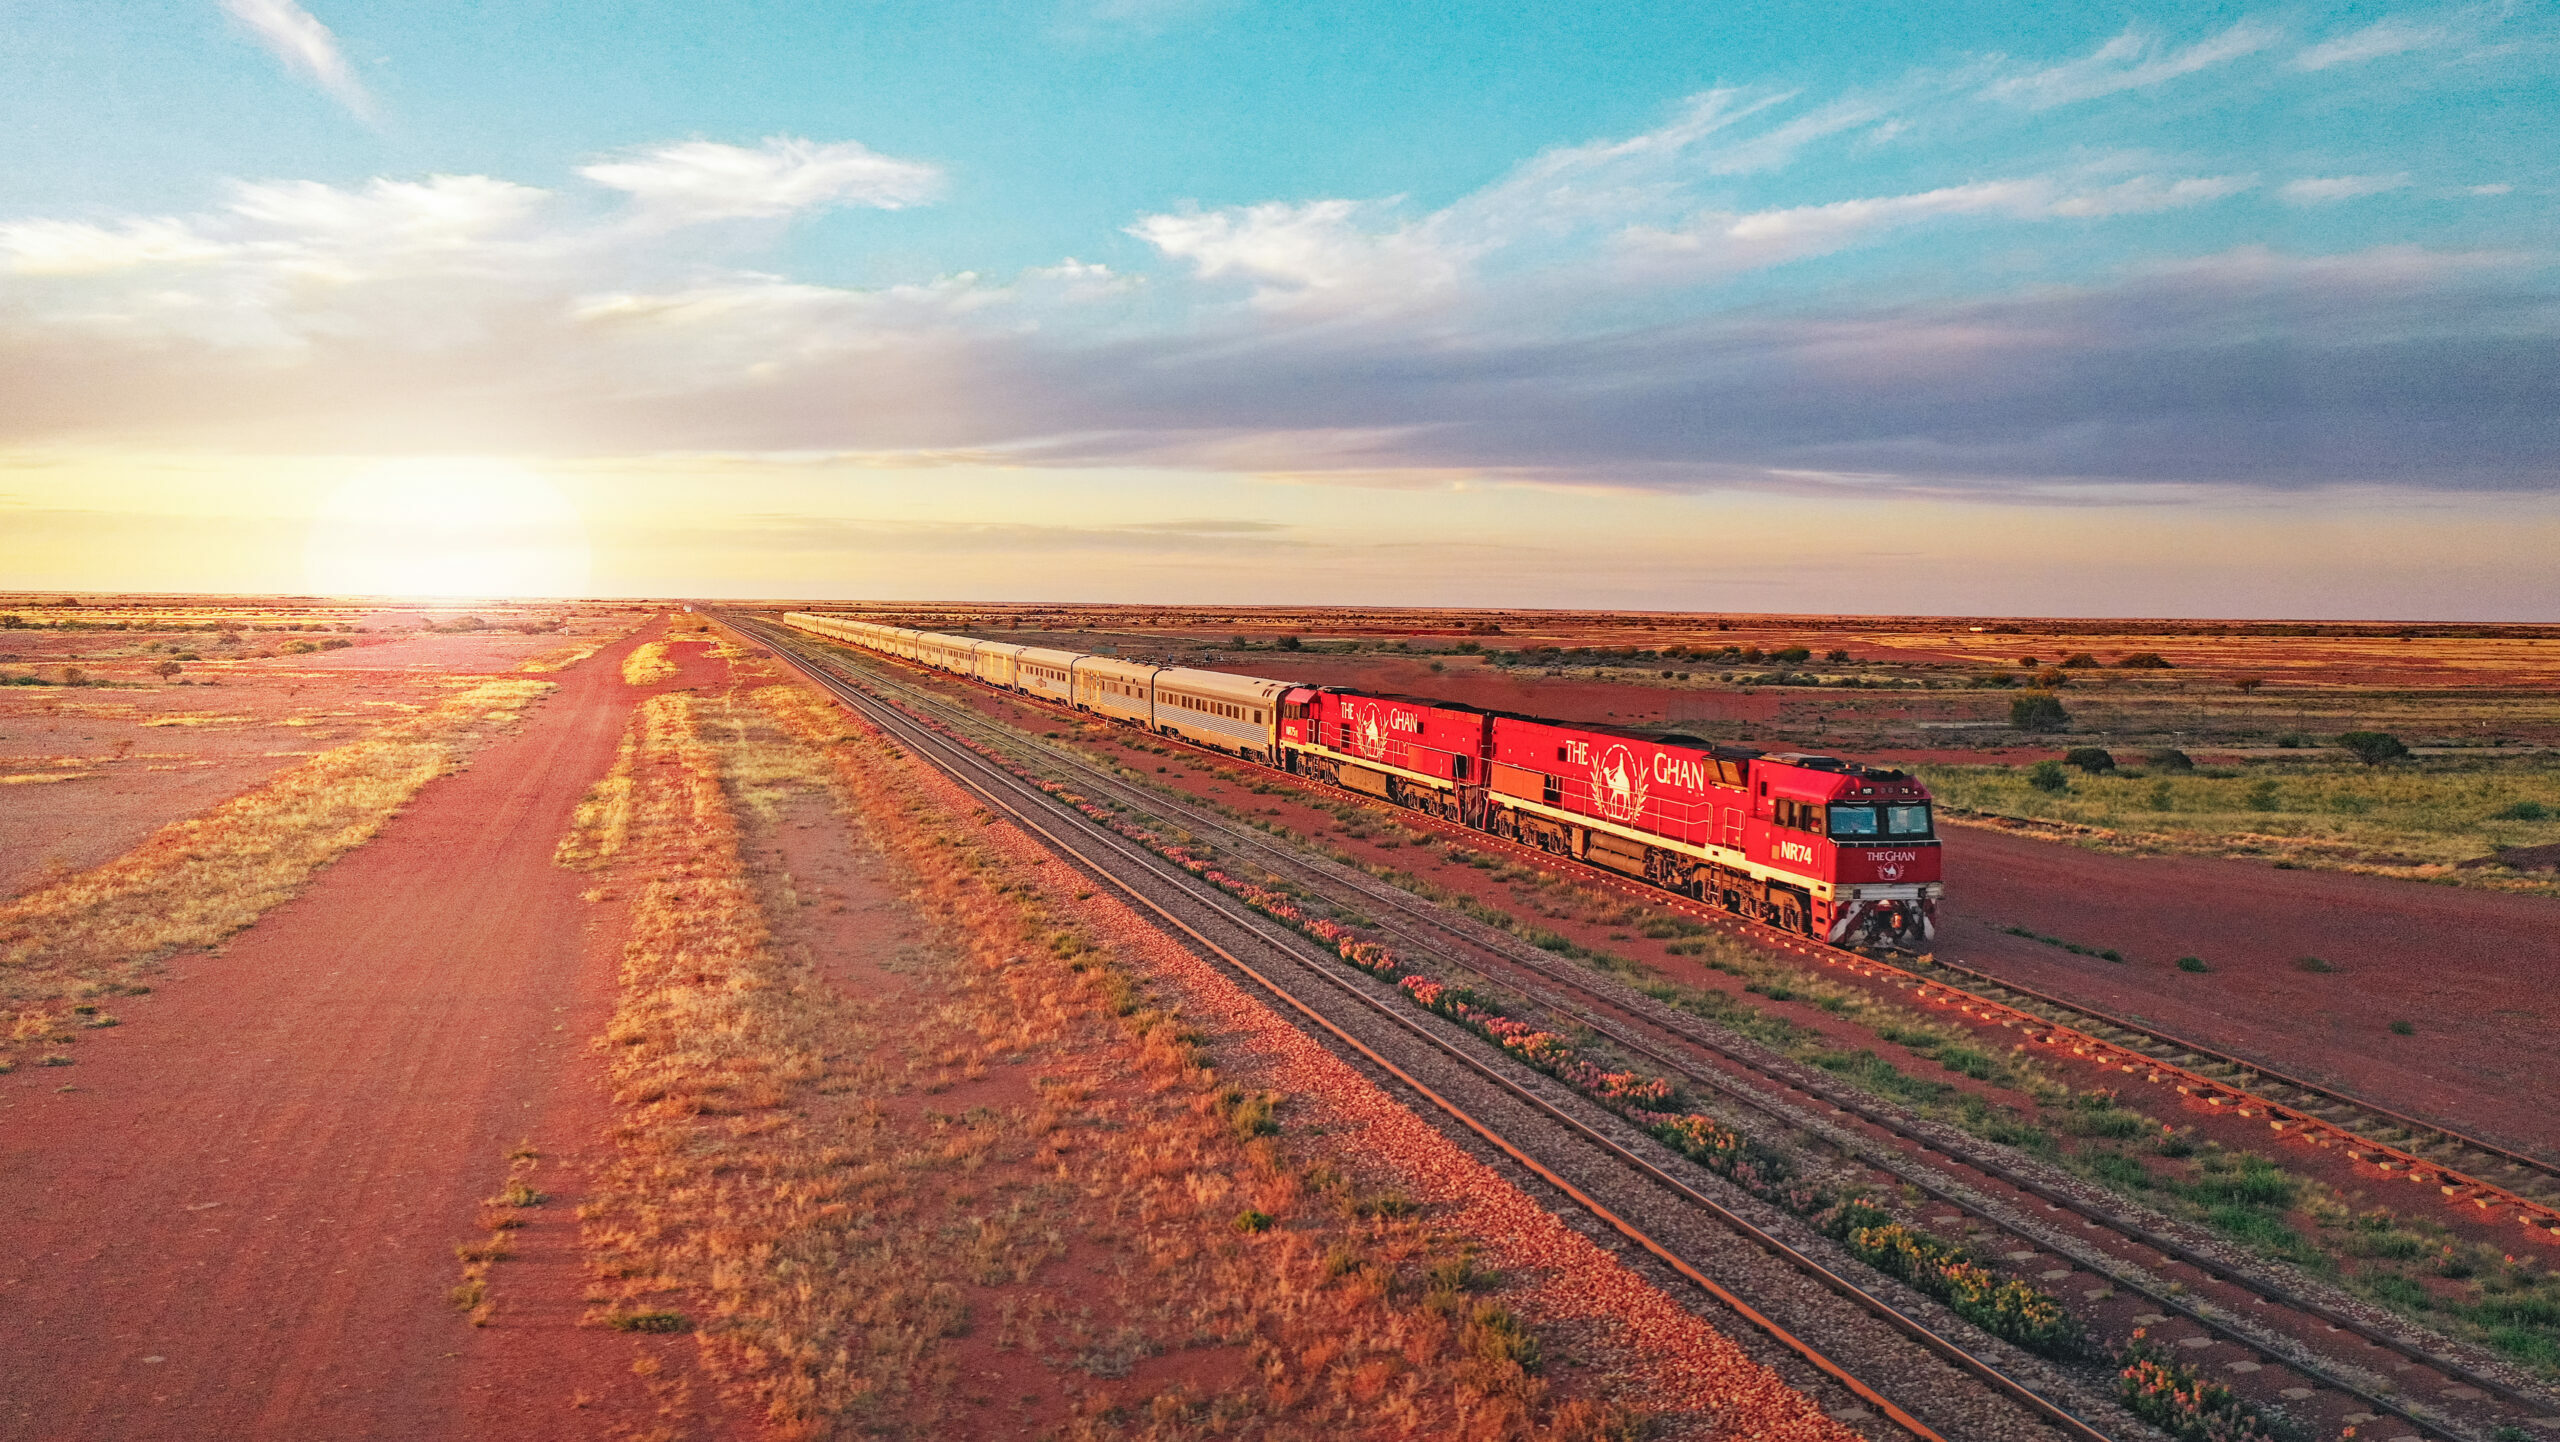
1619,785
1890,871
1369,738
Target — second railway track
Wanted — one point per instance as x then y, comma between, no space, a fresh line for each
1695,1053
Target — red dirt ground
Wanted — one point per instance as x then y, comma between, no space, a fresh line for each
120,760
2471,970
237,1218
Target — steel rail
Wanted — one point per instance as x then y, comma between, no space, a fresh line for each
2165,1246
954,761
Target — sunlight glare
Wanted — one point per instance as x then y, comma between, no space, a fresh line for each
448,527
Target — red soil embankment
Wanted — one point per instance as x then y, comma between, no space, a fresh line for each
236,1216
2471,971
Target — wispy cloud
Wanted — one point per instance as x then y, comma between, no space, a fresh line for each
1771,237
2374,42
2131,61
2328,189
293,36
704,180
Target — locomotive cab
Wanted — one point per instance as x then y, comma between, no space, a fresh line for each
1862,838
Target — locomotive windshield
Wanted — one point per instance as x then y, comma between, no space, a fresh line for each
1860,822
1848,821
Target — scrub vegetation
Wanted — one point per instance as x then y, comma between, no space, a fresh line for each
647,664
2412,818
91,936
989,1181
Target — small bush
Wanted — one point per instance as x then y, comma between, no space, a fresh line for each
1250,1221
2038,713
1793,655
2169,758
2077,661
2402,1028
1836,655
2047,776
2092,759
649,1322
2315,964
2373,747
2522,811
2143,661
2192,963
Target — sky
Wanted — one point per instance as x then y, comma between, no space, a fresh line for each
1948,308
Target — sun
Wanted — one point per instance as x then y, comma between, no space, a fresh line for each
448,527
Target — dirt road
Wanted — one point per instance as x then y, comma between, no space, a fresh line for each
235,1217
2470,971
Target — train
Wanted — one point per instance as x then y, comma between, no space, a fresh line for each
1827,848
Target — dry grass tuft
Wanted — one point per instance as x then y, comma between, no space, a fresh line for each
497,1218
566,656
601,825
647,664
194,882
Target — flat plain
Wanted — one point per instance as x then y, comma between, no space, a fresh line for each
431,1023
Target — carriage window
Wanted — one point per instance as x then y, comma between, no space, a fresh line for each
1853,821
1906,820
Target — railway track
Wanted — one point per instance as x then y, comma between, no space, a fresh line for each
1643,1027
1930,1382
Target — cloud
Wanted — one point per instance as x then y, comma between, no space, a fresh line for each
1771,237
703,180
2131,61
1315,250
2145,194
66,248
2373,42
2496,188
291,34
2325,190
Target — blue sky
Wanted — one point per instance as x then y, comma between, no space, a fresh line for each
1165,281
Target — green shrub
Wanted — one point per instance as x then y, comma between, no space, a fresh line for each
2372,747
2092,759
2143,661
2047,776
2522,811
2192,963
2403,1028
2039,712
2169,758
2315,964
2077,661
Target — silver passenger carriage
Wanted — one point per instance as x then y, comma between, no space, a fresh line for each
1121,690
996,662
1231,713
1047,673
